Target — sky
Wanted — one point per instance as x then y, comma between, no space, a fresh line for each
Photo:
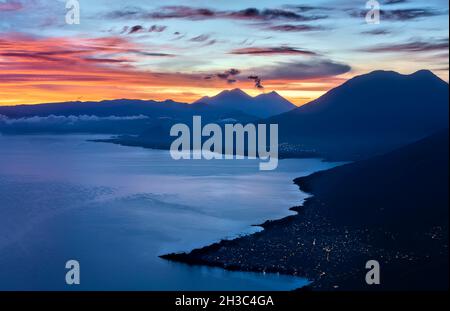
184,50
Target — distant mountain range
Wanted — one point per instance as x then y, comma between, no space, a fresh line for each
234,103
146,117
369,114
120,107
131,116
262,106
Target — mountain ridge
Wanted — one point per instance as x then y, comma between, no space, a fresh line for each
368,114
262,106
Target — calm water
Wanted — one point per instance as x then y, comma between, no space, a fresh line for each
115,209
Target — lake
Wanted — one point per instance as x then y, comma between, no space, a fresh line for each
115,209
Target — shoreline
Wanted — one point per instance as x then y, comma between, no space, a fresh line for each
193,257
346,222
358,212
330,256
166,146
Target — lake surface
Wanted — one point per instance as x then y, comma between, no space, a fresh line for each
116,208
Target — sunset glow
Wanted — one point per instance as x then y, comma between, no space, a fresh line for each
180,53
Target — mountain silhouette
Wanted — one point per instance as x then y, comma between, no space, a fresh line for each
157,115
262,106
401,198
116,107
369,114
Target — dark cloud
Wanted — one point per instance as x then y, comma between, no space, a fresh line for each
307,8
298,70
407,14
257,80
246,42
106,60
128,12
201,38
139,29
222,76
400,14
413,46
210,42
193,13
154,54
294,28
233,72
157,28
178,36
169,12
271,51
376,32
390,2
229,75
135,29
271,14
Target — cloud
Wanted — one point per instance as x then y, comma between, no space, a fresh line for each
233,71
103,67
283,50
301,70
391,2
195,13
376,32
24,51
294,28
10,5
200,38
307,8
155,54
106,60
413,46
58,119
228,75
399,14
157,28
210,42
271,14
283,72
257,80
171,12
137,28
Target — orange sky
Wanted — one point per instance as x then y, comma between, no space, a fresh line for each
186,50
58,69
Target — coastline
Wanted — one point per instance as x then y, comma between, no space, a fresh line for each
358,212
130,141
203,256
